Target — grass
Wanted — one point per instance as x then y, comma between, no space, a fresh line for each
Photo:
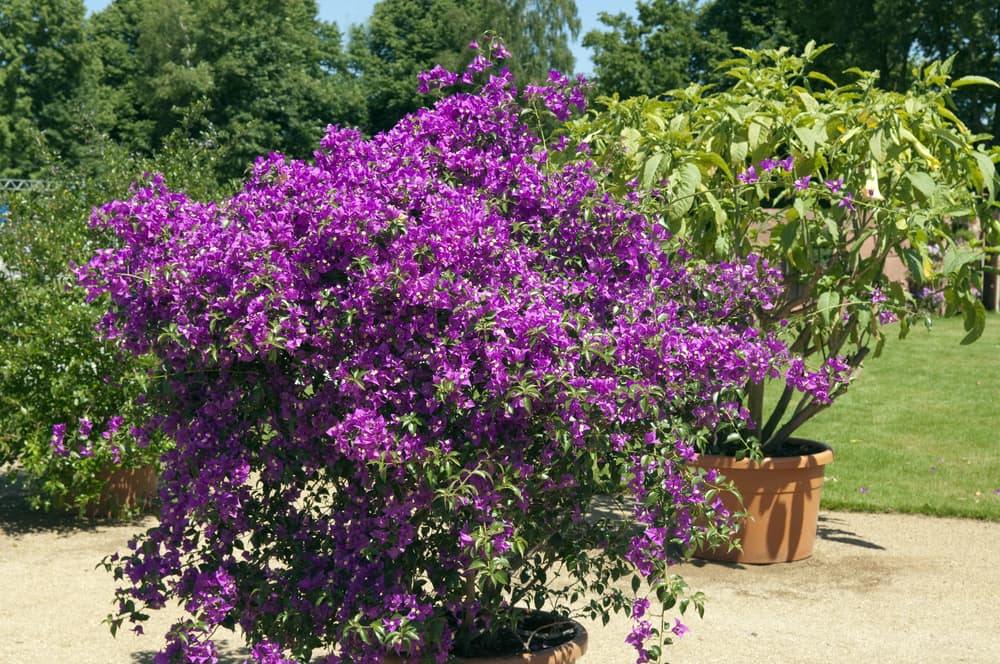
919,430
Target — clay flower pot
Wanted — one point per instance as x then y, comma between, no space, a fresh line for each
128,488
781,496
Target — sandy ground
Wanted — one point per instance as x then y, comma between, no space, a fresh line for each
880,588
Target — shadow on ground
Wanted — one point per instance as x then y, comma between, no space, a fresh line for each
831,530
224,656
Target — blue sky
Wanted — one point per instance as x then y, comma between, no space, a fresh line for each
347,12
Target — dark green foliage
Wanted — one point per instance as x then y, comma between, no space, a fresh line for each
969,31
43,72
53,369
263,75
664,48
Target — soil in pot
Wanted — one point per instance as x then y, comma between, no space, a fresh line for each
550,639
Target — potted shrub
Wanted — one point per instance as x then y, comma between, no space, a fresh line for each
398,376
833,183
53,371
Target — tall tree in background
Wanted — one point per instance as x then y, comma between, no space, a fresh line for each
404,37
865,34
43,75
663,48
401,39
756,24
672,43
259,75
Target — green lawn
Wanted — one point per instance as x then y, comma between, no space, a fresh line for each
919,430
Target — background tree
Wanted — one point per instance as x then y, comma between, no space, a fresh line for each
665,47
878,35
260,75
404,37
43,70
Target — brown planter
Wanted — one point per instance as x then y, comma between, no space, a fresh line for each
781,496
565,653
127,489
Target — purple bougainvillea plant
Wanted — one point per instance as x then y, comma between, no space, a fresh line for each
423,383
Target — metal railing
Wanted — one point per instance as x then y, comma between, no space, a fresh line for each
18,184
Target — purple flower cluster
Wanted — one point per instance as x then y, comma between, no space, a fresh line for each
85,447
787,165
396,375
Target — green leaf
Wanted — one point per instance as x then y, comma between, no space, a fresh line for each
975,321
715,159
876,147
684,181
649,171
826,304
809,137
713,202
738,150
924,183
988,171
808,101
973,80
819,76
753,135
957,257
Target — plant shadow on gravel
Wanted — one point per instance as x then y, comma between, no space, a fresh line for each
17,517
223,656
828,530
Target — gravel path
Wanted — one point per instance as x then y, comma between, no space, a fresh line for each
880,588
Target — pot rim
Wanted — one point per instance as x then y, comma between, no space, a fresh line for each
822,457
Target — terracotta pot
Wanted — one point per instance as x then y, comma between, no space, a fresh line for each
781,496
128,488
565,653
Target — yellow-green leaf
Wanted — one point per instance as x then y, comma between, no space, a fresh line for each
973,80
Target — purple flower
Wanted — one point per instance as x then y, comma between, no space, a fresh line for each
679,629
863,490
787,164
886,317
802,183
58,436
639,607
749,176
834,185
85,427
847,201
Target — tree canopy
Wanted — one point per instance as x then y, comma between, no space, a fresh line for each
258,76
261,75
43,61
